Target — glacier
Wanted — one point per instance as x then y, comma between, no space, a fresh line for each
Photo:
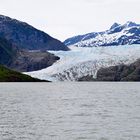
79,62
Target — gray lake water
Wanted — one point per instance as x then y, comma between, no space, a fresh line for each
70,111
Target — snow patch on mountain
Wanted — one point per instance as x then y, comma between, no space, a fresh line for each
80,62
126,34
106,38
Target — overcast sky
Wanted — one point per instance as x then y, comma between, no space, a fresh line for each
65,18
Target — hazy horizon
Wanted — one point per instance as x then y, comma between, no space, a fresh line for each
66,18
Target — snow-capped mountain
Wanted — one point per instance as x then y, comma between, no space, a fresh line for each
126,34
84,59
79,62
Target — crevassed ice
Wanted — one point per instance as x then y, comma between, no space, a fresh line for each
80,62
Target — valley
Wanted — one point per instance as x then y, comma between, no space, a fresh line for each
81,62
87,57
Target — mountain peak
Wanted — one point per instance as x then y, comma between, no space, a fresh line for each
6,17
114,25
9,19
130,24
118,34
126,25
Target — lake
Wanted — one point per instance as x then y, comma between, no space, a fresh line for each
70,111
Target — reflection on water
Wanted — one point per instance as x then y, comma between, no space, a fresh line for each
69,111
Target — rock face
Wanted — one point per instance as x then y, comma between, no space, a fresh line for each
86,78
32,61
8,52
27,37
23,60
7,75
117,73
126,34
120,73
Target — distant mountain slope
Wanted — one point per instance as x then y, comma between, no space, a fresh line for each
26,36
22,60
7,75
116,73
126,34
8,52
120,73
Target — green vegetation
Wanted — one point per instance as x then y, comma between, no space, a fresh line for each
7,75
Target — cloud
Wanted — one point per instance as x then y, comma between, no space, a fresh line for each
64,18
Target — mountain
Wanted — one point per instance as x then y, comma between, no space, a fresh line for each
18,59
7,75
126,34
27,37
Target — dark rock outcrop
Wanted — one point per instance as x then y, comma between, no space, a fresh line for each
117,73
7,52
120,73
23,60
86,78
32,61
27,37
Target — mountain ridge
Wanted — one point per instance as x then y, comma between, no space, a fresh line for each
125,34
26,36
